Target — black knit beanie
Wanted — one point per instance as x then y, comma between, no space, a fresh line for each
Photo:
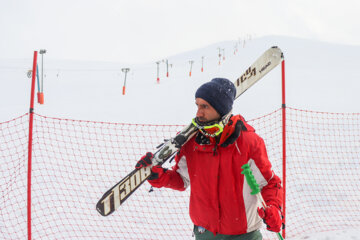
219,93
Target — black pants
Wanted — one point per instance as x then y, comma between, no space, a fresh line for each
207,235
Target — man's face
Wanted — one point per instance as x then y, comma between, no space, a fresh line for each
205,112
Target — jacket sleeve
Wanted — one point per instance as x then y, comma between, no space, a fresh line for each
269,182
171,178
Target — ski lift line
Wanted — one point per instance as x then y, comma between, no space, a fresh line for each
221,54
83,70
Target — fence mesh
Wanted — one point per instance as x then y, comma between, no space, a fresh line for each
13,178
75,162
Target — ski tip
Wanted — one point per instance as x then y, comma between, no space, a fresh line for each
100,210
281,52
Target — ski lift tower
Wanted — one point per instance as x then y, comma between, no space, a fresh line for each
125,70
191,64
41,93
219,55
158,78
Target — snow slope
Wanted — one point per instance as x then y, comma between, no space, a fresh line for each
319,76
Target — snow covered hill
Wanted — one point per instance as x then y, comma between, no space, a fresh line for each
319,76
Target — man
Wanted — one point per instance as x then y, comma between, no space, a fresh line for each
221,206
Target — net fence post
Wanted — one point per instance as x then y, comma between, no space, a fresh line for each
283,107
31,120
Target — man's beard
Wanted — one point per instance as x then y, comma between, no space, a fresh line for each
202,120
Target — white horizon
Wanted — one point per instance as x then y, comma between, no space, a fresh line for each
141,31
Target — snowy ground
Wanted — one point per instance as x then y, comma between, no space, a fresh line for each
353,234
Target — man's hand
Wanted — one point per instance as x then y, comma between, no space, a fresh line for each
156,171
271,216
145,161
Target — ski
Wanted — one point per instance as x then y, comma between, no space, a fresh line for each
264,64
121,191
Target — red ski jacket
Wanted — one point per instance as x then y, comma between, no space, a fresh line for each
220,198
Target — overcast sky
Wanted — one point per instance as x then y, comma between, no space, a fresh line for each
146,30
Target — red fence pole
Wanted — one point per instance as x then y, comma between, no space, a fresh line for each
31,120
283,106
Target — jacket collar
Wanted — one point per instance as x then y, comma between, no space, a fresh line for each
229,135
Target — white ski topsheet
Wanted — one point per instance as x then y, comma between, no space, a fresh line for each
264,64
